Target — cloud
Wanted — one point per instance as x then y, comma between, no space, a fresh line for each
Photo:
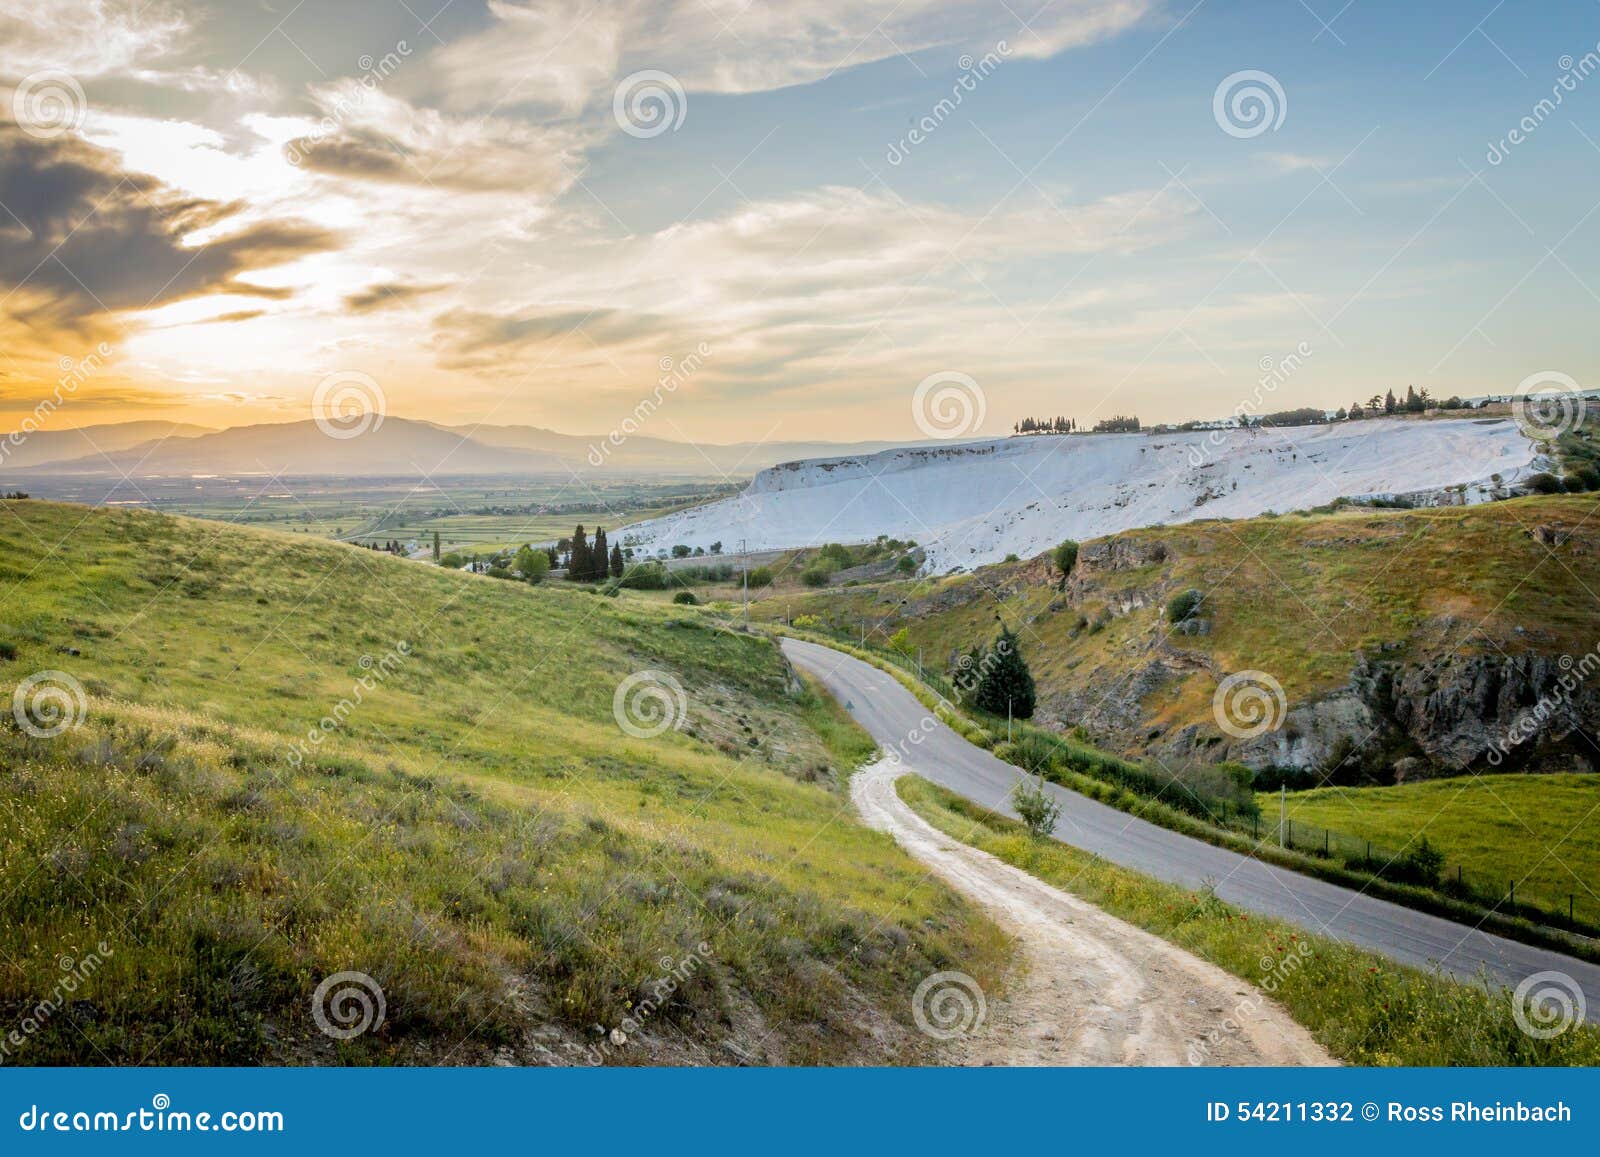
786,288
87,38
563,58
367,134
475,339
85,241
388,295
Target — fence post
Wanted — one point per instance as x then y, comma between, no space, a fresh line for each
1324,842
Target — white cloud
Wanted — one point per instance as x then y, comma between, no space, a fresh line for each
566,58
87,38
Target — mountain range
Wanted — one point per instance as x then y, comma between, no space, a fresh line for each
400,447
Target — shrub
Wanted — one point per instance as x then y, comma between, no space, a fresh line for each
761,577
815,576
1183,605
906,565
1544,483
1065,557
686,599
806,622
1035,806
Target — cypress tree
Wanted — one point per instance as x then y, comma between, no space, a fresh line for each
578,560
599,556
616,562
1006,680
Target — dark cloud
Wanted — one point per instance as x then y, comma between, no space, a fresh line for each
470,339
386,294
82,239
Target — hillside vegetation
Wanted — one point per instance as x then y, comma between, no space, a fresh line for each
1310,600
473,830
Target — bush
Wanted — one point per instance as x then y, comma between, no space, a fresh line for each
815,576
650,576
1065,558
686,599
1035,806
761,577
1183,605
806,622
906,565
1544,483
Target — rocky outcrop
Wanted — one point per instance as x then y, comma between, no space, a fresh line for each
1398,720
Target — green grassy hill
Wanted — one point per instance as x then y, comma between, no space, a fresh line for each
1538,830
473,829
1298,596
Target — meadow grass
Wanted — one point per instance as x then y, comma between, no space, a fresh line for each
474,831
1540,831
1363,1008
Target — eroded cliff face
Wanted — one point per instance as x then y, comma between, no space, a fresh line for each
1397,720
1431,706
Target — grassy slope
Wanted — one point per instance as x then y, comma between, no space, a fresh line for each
478,835
1293,595
1361,1007
1539,830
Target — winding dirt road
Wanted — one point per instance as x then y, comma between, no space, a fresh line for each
1097,991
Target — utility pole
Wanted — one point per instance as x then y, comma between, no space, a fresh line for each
745,557
1283,811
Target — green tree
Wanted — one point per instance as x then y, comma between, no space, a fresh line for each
536,567
617,565
1065,558
578,560
1005,685
599,557
1036,807
436,546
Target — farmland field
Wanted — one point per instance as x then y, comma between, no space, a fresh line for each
1541,831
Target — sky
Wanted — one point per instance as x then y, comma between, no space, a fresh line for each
840,219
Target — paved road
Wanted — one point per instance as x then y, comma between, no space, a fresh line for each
892,714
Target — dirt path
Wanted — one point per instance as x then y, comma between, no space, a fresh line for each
1097,991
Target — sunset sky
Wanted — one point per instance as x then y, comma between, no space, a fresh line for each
242,197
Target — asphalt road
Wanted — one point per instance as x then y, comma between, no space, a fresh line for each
894,718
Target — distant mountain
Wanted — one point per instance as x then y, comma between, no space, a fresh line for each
42,446
640,454
397,447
